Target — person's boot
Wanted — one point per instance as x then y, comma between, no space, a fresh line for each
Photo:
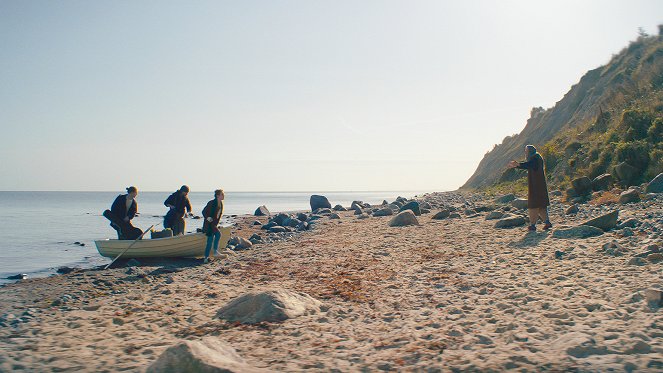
532,228
547,226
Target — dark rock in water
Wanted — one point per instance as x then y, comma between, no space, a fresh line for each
206,355
277,229
262,211
383,212
441,215
505,198
519,203
133,263
412,205
572,210
319,202
626,173
582,185
21,276
581,231
302,217
656,185
605,222
629,196
404,218
269,306
510,221
602,182
339,208
64,270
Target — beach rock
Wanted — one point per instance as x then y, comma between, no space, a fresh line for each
269,225
572,210
626,173
269,306
339,208
494,215
243,243
581,231
303,226
582,185
510,221
425,205
505,198
302,216
629,196
363,216
630,223
637,261
454,215
655,258
654,297
656,185
571,193
404,218
334,216
256,222
319,202
277,229
605,222
383,212
262,211
443,214
255,239
413,206
425,211
627,232
519,203
323,211
358,211
613,248
281,219
64,270
208,355
602,182
293,222
556,193
356,205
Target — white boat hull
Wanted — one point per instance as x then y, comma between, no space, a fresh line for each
182,246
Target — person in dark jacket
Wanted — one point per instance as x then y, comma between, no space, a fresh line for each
537,196
179,204
124,209
212,214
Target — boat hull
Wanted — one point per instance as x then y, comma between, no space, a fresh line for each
182,246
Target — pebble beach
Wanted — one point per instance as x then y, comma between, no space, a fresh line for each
450,292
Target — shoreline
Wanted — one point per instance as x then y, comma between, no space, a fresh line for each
447,294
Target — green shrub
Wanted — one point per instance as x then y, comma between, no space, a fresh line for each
655,164
635,153
655,131
551,155
635,123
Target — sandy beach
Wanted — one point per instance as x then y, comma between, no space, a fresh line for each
455,294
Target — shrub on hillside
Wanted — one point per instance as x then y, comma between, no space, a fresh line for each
635,124
655,131
635,153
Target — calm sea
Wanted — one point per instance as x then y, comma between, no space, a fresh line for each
38,230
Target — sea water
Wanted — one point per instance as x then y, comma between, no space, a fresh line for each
41,231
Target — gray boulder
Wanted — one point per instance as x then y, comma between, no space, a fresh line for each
268,306
319,202
519,203
262,211
243,243
510,221
281,219
582,185
443,214
629,196
572,210
357,205
412,205
277,229
604,222
425,205
331,216
505,198
656,185
339,208
494,215
602,182
208,355
404,218
581,231
383,212
626,173
358,211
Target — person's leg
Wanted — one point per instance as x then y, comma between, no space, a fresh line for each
217,237
208,247
545,218
533,216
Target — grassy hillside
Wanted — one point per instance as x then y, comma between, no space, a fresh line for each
614,114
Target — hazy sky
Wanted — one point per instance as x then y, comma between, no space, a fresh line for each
285,95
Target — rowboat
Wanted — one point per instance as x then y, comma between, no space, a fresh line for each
190,245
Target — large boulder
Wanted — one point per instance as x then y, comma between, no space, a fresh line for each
208,355
519,203
629,196
510,221
262,211
656,185
581,231
626,173
505,198
582,185
268,306
443,214
319,202
605,222
602,182
412,205
404,218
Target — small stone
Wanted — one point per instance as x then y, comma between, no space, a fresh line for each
629,196
655,257
510,221
654,297
637,261
520,203
494,215
441,215
572,210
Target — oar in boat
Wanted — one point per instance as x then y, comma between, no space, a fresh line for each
127,249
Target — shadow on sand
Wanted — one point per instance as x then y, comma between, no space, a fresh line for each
529,239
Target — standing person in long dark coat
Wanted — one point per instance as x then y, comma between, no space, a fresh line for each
537,196
212,214
124,209
179,204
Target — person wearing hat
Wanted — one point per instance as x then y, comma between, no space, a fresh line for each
178,204
212,214
537,188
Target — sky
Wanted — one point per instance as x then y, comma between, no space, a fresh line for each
371,95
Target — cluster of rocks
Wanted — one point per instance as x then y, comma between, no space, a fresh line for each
584,188
10,319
